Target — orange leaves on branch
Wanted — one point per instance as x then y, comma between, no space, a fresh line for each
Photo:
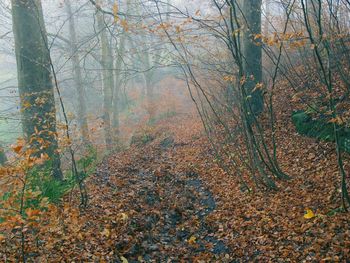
257,36
17,148
125,25
258,86
337,120
65,142
163,26
115,12
26,105
292,40
243,80
178,29
229,78
43,158
32,213
22,206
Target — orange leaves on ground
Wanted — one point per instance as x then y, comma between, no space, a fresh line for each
192,240
123,217
106,232
309,214
259,225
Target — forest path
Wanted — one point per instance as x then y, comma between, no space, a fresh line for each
164,202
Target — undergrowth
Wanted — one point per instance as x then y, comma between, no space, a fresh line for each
40,179
320,128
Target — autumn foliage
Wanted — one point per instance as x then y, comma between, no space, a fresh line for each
211,140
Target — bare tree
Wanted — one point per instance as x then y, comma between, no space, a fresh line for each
77,75
108,76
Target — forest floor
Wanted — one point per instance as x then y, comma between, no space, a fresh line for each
165,199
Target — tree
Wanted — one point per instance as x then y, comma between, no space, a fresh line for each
78,80
34,81
108,77
267,17
3,158
150,81
119,61
252,53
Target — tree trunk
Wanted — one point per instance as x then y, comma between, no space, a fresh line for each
115,112
151,106
116,92
252,53
108,78
34,80
148,77
3,158
267,20
266,61
78,80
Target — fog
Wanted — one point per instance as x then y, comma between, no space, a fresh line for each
174,130
145,53
140,55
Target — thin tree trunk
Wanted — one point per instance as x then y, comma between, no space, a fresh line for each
267,19
108,78
116,92
115,112
151,106
78,80
149,77
34,80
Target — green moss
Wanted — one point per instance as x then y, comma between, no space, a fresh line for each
320,128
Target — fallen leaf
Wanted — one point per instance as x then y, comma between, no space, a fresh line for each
192,240
124,260
106,232
309,214
123,216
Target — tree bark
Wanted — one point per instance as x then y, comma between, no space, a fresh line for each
115,112
116,92
267,18
151,106
78,80
108,78
252,53
3,158
34,81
